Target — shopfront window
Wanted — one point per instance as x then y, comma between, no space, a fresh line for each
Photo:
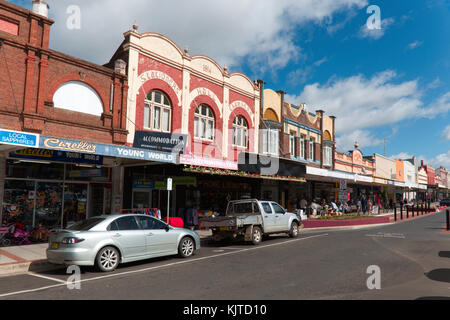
18,202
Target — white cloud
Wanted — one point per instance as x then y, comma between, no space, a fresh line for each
415,44
361,104
346,142
401,156
447,133
320,62
228,31
441,160
376,34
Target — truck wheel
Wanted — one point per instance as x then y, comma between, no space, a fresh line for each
256,235
293,233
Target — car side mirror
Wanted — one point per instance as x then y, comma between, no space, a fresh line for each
167,228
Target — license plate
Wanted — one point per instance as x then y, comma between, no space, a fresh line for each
223,228
55,245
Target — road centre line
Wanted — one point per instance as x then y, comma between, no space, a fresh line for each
159,267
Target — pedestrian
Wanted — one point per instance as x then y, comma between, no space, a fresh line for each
369,206
358,206
364,205
303,204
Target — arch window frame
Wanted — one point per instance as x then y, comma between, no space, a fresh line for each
204,123
157,112
240,132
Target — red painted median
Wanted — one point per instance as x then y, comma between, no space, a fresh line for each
323,223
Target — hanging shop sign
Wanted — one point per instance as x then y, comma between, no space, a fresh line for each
59,156
208,162
85,173
105,149
17,138
159,141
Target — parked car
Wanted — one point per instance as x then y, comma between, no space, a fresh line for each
107,241
252,219
445,202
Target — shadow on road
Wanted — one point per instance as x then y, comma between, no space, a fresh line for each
442,275
444,254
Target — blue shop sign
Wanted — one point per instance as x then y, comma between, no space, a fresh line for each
17,138
110,150
59,156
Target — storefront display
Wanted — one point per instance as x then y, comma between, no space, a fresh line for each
40,197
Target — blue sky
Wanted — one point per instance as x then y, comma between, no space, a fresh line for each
384,85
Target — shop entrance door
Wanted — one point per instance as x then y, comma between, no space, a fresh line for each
75,203
142,198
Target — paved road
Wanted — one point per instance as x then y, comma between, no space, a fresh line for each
413,256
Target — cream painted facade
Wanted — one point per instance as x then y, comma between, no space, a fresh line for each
164,50
385,168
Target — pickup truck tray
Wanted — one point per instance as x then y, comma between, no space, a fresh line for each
230,221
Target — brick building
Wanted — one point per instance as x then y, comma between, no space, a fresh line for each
60,120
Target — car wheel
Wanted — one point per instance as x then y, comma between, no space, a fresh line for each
293,233
6,242
186,247
256,235
108,259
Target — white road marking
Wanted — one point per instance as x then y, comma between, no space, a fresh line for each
161,266
44,277
387,235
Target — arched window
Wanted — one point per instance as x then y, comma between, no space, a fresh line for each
157,112
78,96
204,123
240,132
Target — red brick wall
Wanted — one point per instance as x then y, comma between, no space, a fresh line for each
31,75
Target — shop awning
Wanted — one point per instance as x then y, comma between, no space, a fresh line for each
270,166
101,149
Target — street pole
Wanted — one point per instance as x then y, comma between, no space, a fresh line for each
169,188
448,220
407,212
395,212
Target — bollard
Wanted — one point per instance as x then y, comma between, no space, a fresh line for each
395,213
412,210
401,211
407,212
448,220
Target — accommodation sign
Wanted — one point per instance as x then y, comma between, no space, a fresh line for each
110,150
158,141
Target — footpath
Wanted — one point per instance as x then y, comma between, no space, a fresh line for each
32,258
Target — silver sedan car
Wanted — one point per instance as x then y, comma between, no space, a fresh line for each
106,241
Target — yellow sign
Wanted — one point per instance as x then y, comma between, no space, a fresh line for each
82,146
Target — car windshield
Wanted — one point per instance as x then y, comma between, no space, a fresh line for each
85,224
